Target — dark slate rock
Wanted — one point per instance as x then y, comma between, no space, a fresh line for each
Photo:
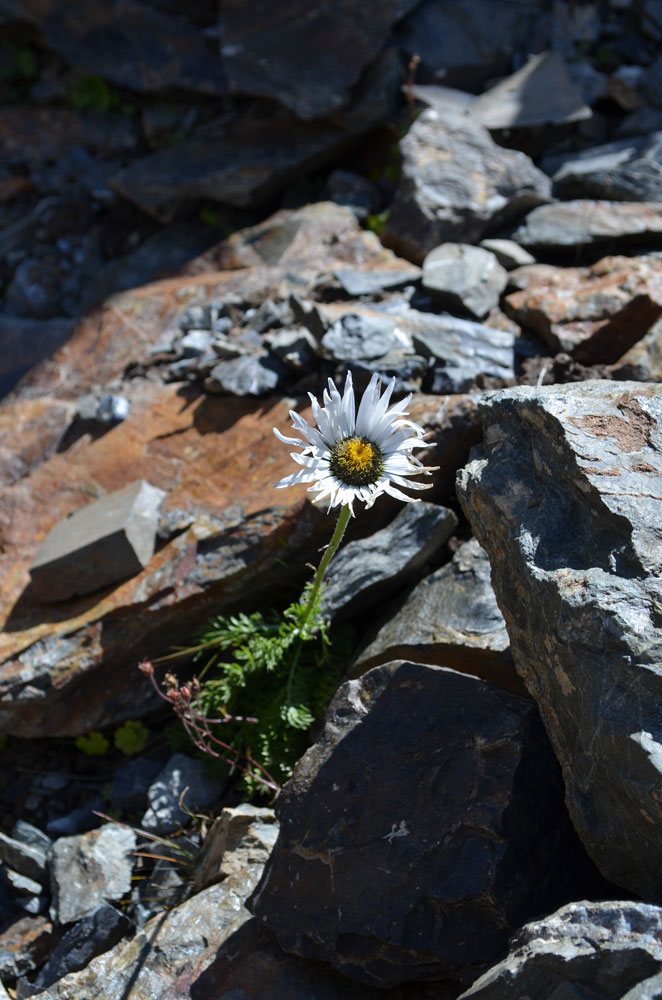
565,498
457,186
182,779
627,170
370,569
345,187
94,934
146,49
425,825
26,341
25,945
570,225
587,951
462,351
97,545
463,45
307,58
247,376
451,618
465,276
295,346
78,820
131,783
88,869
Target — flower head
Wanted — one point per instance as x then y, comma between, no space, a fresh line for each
350,456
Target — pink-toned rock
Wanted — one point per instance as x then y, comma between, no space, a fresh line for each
595,313
30,432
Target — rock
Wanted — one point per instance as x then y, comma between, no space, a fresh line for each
508,253
29,434
295,346
243,159
93,935
364,337
345,187
182,782
35,135
449,619
25,341
149,50
366,571
27,859
167,946
590,224
464,276
97,545
131,782
237,839
306,58
421,876
540,93
627,170
24,945
643,362
249,964
78,820
369,280
247,376
607,949
89,869
565,499
457,186
595,313
463,45
31,835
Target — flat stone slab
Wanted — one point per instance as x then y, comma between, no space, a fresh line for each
97,545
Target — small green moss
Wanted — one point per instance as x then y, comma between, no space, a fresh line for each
94,744
131,737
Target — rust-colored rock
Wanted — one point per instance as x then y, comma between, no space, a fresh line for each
595,313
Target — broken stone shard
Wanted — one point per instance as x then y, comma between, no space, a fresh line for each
106,541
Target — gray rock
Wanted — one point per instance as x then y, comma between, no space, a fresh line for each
457,185
181,775
96,933
370,569
627,170
27,859
237,839
450,619
363,281
463,350
465,276
168,946
112,409
508,253
597,950
595,224
364,337
307,58
195,343
24,945
31,835
425,825
540,93
295,346
246,376
97,545
565,497
88,869
345,187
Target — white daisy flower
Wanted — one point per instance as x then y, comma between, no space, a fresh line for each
352,456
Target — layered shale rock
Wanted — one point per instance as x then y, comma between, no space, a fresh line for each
565,497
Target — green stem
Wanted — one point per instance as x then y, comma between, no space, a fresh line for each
329,553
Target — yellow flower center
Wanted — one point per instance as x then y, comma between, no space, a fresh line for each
356,461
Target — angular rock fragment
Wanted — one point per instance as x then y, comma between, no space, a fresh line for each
182,787
237,838
88,869
368,570
449,619
27,859
421,829
25,945
106,541
565,497
457,185
595,313
609,949
507,252
627,170
465,276
597,225
247,376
